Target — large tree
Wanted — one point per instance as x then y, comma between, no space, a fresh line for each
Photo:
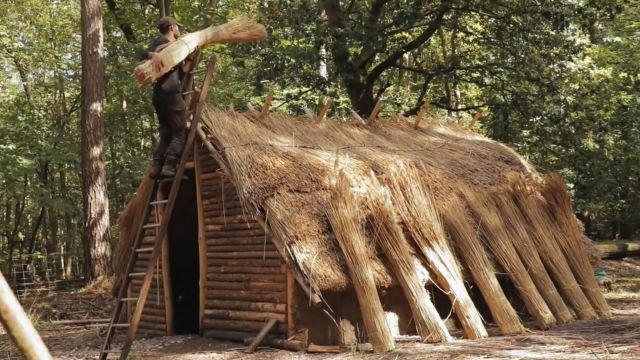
95,201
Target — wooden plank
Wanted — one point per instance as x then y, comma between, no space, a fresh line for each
244,269
245,305
261,335
255,286
243,315
202,244
276,297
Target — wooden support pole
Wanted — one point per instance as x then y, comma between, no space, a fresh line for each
17,324
258,339
265,107
374,113
423,111
475,119
324,111
358,118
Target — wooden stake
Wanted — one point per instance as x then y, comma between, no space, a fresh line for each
324,111
258,339
475,119
202,241
290,286
17,324
423,110
265,107
374,113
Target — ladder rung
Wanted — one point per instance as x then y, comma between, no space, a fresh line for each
121,325
141,250
149,226
128,299
188,92
198,71
159,202
137,274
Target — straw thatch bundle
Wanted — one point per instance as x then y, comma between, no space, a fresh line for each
544,232
347,224
389,237
572,243
517,229
238,30
419,215
497,239
466,238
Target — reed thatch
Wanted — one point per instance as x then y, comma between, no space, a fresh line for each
421,192
238,30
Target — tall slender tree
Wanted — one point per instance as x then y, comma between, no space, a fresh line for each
95,201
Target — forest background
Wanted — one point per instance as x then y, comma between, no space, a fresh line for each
557,80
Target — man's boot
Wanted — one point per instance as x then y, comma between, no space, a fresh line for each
168,171
156,168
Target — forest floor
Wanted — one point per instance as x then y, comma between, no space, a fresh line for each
618,338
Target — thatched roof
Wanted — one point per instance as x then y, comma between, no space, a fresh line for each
284,167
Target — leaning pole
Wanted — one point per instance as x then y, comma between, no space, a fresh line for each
18,326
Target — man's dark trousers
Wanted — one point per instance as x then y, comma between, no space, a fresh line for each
172,119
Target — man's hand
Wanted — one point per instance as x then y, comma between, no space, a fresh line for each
156,61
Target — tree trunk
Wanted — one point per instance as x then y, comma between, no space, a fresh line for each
95,234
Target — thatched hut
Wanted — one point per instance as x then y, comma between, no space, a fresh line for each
348,233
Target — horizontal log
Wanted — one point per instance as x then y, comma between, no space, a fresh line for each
80,321
240,325
150,318
152,325
268,246
235,233
242,315
142,333
232,219
245,262
233,227
226,212
334,349
293,345
249,240
154,309
276,297
256,286
245,269
232,204
214,175
211,304
244,255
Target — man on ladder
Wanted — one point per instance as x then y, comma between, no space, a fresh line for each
168,103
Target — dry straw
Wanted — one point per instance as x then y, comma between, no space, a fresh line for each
238,30
401,258
497,239
467,240
571,240
543,232
518,230
347,224
415,204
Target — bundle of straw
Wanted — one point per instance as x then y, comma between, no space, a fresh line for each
470,248
542,233
517,228
498,241
241,29
347,226
571,242
389,237
415,205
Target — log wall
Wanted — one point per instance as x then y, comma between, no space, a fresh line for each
245,279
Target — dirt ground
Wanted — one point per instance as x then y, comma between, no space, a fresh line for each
618,338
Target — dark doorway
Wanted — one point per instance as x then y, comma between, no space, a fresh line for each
183,258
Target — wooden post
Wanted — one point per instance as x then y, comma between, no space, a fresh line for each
475,119
324,111
17,324
374,113
290,299
166,275
265,107
357,117
202,243
261,335
423,110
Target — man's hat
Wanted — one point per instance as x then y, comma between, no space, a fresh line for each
167,21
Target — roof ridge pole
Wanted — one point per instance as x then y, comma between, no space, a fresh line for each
265,107
325,110
475,119
423,110
374,114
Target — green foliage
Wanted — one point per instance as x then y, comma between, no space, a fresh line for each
558,80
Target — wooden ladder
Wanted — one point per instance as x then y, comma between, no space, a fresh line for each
161,227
